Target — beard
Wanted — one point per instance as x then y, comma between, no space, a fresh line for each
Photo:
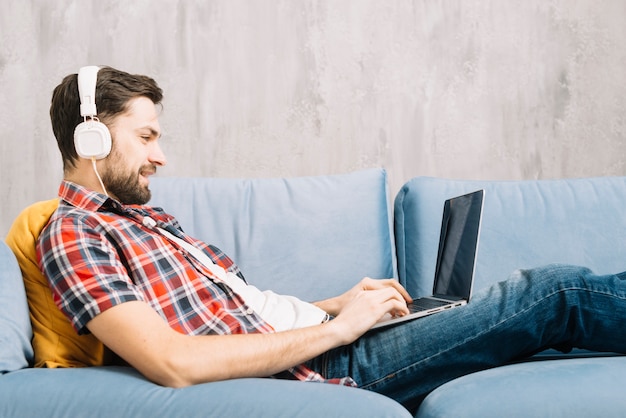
124,185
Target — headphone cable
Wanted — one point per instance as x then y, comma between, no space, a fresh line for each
95,169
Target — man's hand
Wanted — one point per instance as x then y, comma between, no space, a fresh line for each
365,304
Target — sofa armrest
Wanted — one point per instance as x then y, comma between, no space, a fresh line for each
16,351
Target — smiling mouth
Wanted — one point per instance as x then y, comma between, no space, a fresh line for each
147,171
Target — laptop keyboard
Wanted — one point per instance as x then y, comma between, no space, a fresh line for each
425,304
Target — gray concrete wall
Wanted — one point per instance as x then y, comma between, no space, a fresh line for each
481,89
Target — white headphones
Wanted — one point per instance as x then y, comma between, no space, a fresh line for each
92,138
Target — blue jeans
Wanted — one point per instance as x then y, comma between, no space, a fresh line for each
550,307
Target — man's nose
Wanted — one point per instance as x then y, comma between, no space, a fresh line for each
156,156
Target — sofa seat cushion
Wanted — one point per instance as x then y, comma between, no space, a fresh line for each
122,392
55,342
583,387
15,330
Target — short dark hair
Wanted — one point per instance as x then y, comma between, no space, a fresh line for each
114,89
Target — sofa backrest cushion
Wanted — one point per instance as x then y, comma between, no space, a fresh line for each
55,342
525,224
15,331
310,237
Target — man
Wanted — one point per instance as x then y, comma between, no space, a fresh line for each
180,312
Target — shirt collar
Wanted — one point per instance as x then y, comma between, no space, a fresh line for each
84,198
87,199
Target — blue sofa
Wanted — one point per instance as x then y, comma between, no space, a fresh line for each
315,237
525,224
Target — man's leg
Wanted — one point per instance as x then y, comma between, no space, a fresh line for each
553,306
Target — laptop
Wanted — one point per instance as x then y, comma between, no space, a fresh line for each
456,259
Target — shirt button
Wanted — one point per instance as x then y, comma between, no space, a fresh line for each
249,311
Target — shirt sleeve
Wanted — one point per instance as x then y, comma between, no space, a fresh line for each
83,269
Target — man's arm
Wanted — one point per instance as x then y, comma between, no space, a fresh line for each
141,337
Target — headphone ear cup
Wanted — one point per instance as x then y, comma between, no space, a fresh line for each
92,139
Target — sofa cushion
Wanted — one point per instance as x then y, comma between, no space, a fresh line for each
583,387
311,237
122,392
525,224
15,331
55,342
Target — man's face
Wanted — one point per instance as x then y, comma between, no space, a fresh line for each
135,153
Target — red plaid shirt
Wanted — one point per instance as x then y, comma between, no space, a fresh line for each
96,253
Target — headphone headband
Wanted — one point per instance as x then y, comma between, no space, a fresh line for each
87,78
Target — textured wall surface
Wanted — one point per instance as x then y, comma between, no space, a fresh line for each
482,89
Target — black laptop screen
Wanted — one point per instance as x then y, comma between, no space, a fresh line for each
458,243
